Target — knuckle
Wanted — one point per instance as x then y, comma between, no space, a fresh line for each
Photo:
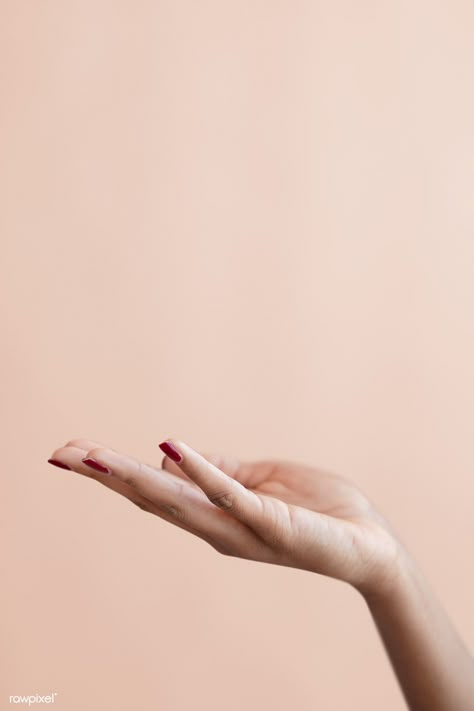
179,492
176,508
180,514
223,499
173,511
131,476
180,489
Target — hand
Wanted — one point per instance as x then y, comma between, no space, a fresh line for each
280,512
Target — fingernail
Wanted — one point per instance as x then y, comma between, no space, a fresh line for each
171,451
94,464
59,464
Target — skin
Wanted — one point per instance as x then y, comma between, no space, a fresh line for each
287,513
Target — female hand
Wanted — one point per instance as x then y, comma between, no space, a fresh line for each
288,513
274,511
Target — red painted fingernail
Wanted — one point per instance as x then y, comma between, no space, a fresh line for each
59,464
171,451
94,464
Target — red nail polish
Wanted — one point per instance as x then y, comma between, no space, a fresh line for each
59,464
171,451
94,464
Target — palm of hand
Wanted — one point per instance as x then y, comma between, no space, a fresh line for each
305,486
274,511
316,520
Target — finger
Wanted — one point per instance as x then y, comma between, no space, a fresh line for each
222,490
77,450
181,499
88,444
72,455
229,464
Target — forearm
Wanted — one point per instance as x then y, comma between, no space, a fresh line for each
433,667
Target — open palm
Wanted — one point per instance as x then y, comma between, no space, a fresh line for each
274,511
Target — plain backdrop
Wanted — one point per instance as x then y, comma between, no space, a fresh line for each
249,226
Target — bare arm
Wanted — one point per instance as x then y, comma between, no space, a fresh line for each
434,669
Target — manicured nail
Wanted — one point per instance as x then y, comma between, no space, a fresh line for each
59,464
94,464
171,451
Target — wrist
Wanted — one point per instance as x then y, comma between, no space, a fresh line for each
391,579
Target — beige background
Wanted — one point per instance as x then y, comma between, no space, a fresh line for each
248,225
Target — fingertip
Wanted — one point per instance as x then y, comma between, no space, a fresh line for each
59,464
171,451
97,459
